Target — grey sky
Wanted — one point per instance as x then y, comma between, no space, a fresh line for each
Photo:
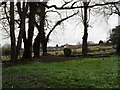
72,34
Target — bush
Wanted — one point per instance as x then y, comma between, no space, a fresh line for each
6,52
101,42
67,52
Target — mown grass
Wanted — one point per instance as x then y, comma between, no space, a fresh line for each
86,73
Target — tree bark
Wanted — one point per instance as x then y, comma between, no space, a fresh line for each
43,38
28,42
44,46
118,45
37,41
85,36
41,35
26,52
12,33
36,46
118,49
22,15
25,45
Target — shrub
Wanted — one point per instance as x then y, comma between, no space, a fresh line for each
101,42
67,52
6,52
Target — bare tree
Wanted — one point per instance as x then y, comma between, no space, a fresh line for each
85,36
28,42
41,37
85,7
12,33
22,14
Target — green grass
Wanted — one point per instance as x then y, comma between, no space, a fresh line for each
102,53
5,58
56,52
97,47
86,73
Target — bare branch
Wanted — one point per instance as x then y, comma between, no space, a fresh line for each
58,23
54,11
3,3
91,6
6,14
36,24
47,23
66,3
74,3
19,9
117,10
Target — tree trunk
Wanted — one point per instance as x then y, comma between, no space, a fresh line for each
26,54
28,42
36,46
118,49
85,36
25,45
19,42
118,45
43,38
22,15
44,47
12,33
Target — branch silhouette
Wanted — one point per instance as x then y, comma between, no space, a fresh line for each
71,7
58,23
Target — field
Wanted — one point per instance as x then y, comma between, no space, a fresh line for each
80,73
97,49
92,50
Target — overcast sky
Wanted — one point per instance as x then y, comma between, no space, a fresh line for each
72,34
72,30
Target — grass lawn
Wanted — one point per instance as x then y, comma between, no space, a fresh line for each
86,73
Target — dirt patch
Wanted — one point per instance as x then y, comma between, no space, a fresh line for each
44,59
98,56
51,59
